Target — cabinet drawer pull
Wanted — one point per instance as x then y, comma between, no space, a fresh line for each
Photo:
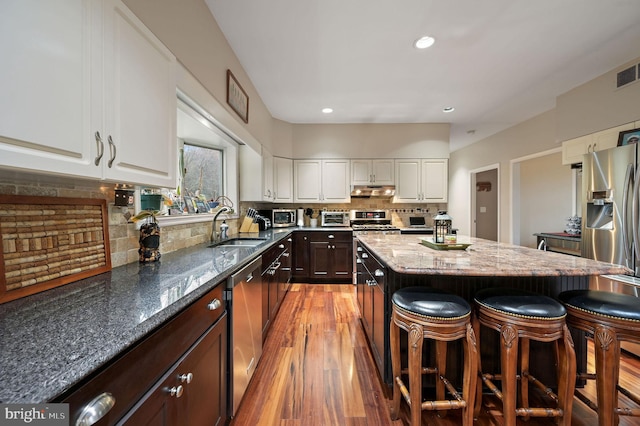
100,146
286,254
186,377
176,391
112,151
378,273
214,304
281,246
96,409
331,236
365,256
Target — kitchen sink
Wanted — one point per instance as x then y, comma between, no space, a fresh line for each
239,242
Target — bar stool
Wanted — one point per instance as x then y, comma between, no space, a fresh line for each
427,313
520,317
610,318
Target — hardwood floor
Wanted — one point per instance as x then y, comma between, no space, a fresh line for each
316,369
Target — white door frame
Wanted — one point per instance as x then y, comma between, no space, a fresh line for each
472,190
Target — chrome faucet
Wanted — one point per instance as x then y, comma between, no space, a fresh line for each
214,235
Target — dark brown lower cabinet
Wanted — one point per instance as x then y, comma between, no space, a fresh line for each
330,256
193,392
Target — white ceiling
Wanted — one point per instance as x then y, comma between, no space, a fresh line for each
498,62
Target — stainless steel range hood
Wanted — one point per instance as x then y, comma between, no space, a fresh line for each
368,191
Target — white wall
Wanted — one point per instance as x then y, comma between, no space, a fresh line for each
545,194
532,136
597,105
425,140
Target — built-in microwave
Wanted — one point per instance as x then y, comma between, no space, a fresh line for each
328,218
281,218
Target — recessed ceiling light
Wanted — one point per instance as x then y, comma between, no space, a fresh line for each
448,109
424,42
327,110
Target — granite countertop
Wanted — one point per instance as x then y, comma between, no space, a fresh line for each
404,254
52,340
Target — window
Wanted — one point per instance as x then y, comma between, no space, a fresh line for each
202,172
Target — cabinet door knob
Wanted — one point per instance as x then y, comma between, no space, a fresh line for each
281,246
100,146
214,304
176,391
365,256
96,409
186,377
112,151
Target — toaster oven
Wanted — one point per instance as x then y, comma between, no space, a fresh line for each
328,218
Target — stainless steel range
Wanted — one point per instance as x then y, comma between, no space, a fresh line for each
364,222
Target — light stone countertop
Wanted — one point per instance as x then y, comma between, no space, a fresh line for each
406,255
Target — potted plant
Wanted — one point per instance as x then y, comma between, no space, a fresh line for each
149,250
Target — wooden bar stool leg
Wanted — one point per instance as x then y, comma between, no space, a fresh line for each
524,371
416,339
607,351
566,376
441,365
478,397
394,339
470,377
509,362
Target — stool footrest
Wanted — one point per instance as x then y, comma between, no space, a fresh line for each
539,412
487,379
435,405
621,411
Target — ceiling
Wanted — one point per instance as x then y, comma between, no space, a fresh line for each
497,62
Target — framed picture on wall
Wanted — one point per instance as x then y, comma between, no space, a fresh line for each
628,137
237,98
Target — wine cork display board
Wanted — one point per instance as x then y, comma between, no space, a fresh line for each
48,242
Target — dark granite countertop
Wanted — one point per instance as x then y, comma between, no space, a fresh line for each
52,340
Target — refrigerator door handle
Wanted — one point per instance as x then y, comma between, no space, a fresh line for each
629,185
634,218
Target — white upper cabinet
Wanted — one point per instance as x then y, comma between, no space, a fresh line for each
88,88
574,150
372,172
267,176
140,97
321,180
335,181
282,180
46,110
421,180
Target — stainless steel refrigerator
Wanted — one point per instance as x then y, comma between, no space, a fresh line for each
611,217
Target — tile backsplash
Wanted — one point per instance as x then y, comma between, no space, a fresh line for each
123,236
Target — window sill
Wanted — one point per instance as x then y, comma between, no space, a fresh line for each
191,218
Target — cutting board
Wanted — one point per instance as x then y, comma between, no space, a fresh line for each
47,242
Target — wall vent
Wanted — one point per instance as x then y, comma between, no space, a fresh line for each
627,76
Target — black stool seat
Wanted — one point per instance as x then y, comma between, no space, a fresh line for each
520,303
430,302
603,303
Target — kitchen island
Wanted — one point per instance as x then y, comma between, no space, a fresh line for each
404,261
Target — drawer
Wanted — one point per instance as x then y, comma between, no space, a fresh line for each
339,236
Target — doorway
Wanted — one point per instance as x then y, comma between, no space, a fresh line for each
485,193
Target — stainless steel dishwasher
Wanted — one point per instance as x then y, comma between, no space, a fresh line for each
244,293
